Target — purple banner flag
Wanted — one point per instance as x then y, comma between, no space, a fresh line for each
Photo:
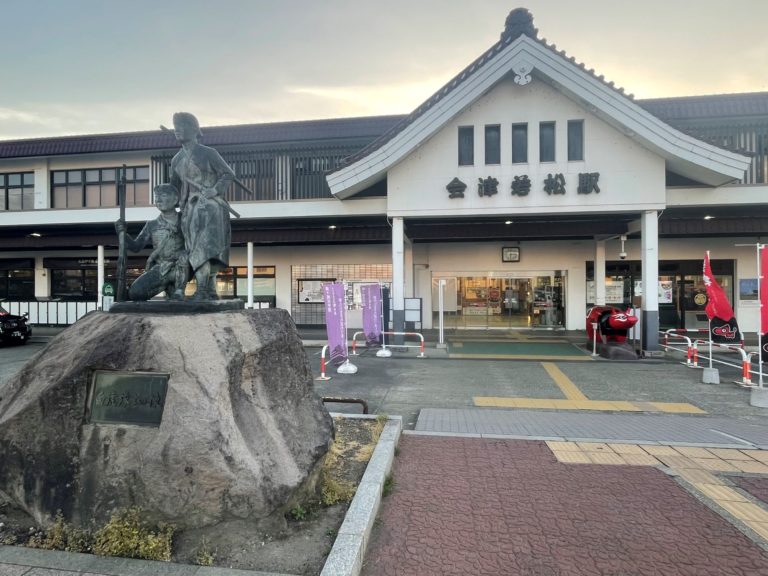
336,321
370,295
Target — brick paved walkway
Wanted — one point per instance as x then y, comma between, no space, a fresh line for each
471,506
757,487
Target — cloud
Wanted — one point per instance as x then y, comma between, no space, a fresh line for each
375,99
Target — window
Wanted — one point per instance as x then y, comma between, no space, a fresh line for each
546,142
233,283
17,191
97,187
466,145
575,140
519,143
493,144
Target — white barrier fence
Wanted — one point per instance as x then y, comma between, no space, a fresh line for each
692,352
51,313
63,313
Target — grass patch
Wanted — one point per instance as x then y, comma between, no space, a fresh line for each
129,536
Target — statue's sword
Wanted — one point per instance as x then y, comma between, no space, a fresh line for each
216,198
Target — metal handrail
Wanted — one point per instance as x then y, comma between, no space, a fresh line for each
746,359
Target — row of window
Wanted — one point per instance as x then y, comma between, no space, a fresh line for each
520,143
17,191
91,188
97,187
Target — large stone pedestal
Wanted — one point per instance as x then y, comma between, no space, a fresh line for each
239,430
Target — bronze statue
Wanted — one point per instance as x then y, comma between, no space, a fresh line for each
203,178
167,267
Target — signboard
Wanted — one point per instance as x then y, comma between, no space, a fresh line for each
311,290
127,398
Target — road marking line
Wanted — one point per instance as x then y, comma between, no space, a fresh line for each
565,384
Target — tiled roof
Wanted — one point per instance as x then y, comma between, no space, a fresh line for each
749,104
271,133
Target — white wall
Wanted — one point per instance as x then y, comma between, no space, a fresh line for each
631,177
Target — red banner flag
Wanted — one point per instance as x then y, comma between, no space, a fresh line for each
763,280
722,321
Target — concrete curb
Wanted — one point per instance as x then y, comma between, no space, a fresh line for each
34,561
346,557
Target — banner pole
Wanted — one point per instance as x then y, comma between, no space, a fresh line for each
760,247
347,367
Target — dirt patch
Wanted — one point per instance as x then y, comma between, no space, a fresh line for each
297,544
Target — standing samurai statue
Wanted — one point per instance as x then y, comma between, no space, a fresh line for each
203,178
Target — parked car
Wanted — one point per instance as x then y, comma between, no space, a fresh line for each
14,328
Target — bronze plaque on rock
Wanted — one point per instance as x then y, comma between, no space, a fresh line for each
127,398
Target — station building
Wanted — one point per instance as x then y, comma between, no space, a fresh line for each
528,186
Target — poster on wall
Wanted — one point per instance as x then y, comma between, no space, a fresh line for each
748,290
311,290
335,321
665,291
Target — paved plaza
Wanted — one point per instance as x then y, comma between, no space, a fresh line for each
538,467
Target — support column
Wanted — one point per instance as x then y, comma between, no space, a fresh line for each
408,263
649,224
249,304
99,276
600,273
398,276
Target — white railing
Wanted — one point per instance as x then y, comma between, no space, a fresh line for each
63,313
51,313
692,352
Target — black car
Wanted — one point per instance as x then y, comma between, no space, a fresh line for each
14,328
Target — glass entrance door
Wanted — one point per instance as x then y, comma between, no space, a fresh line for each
502,301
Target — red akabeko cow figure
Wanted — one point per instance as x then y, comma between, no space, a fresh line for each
612,323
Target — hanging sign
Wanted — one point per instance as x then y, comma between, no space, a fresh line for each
370,295
335,321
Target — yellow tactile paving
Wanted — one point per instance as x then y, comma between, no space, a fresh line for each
567,387
678,408
750,466
699,476
610,458
719,492
557,404
627,449
694,452
640,460
594,447
677,461
759,455
567,457
715,464
731,453
745,511
622,406
760,527
575,399
556,446
658,450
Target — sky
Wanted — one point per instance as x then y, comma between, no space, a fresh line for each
101,66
